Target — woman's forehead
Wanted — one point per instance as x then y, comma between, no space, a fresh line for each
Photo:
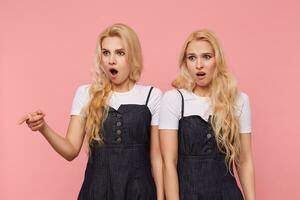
112,43
199,46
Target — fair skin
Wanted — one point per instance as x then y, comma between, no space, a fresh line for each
201,64
115,66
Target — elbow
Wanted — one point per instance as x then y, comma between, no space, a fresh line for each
245,160
245,165
71,156
169,164
155,155
169,160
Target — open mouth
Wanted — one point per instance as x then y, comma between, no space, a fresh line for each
201,74
113,71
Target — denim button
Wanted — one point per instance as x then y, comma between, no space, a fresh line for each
119,132
208,136
118,140
119,123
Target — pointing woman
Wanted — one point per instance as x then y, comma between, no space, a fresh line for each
119,118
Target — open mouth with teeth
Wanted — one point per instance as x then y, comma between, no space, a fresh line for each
201,74
113,71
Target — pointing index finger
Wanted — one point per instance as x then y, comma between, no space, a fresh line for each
23,119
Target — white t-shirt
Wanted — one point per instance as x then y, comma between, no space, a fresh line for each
170,109
137,95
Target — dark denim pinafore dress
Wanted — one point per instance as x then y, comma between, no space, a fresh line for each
120,168
202,172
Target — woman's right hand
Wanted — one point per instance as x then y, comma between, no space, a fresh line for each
34,120
68,146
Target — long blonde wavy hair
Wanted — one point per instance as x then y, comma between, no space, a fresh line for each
101,88
223,94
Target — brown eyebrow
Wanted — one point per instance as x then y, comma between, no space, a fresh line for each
190,54
103,49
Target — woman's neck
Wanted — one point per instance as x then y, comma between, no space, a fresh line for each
201,91
123,87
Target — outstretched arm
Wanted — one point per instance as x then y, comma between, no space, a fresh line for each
68,146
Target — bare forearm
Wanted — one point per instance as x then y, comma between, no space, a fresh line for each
157,172
171,182
60,144
246,176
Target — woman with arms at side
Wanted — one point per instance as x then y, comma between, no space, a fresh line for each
205,128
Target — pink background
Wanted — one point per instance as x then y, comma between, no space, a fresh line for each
47,51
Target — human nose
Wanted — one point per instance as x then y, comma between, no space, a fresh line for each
199,63
112,59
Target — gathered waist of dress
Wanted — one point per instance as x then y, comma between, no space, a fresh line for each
216,156
123,146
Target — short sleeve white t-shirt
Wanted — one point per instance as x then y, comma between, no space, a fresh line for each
171,106
137,95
